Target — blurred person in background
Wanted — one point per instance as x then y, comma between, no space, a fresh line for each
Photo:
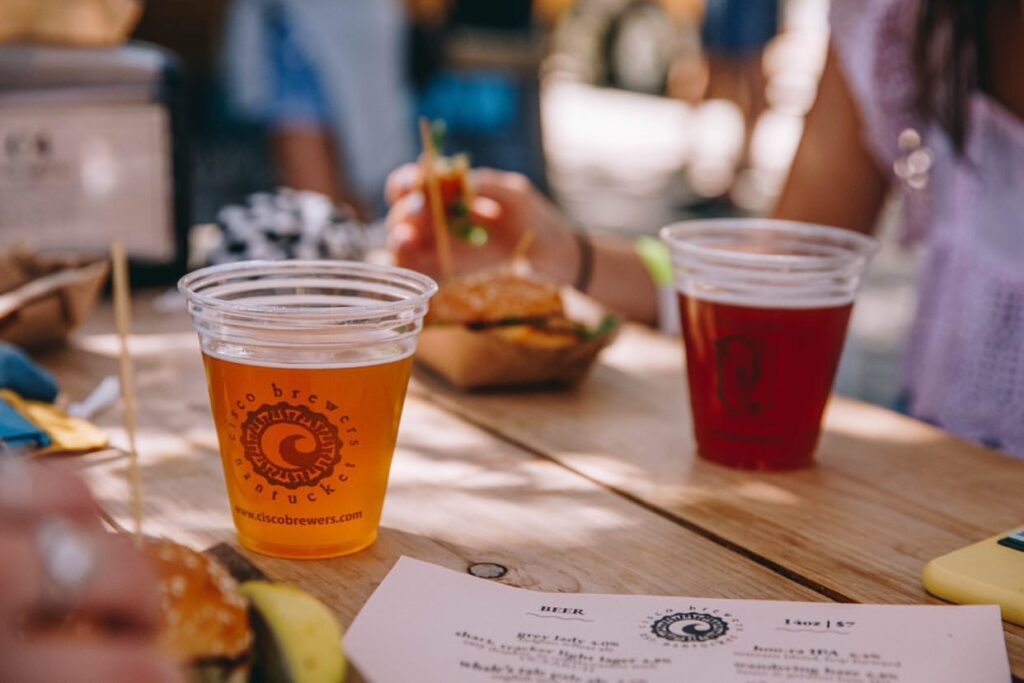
476,66
920,97
328,78
76,603
734,35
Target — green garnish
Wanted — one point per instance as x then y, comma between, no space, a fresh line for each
438,132
477,235
460,226
608,325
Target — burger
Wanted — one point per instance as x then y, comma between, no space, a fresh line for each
225,632
516,308
204,618
501,329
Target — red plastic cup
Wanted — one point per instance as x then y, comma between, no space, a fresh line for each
764,306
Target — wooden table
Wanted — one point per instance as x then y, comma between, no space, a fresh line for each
595,489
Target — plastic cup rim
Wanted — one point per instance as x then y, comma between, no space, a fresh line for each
394,275
674,236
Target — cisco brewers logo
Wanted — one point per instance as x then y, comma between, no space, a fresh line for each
692,627
290,445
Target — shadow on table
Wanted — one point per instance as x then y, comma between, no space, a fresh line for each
183,494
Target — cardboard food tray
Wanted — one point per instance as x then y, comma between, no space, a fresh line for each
42,299
69,22
471,359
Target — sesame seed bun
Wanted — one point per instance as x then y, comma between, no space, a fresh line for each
204,617
494,297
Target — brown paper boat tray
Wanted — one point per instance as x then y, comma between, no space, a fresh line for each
472,360
42,299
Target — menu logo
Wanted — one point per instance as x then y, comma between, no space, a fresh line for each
692,627
290,445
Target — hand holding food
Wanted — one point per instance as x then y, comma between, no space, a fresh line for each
506,204
76,603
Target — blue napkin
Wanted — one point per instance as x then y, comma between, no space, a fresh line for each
19,374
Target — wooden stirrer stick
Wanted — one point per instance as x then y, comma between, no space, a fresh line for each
444,251
122,318
522,246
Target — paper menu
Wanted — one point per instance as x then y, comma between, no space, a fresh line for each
428,624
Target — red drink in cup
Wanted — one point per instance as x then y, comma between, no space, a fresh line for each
764,307
759,379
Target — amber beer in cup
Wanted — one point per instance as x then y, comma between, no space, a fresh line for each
764,307
307,364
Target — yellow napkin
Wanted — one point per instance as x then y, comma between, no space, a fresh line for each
69,434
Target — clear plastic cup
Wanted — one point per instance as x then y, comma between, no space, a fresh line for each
307,365
764,306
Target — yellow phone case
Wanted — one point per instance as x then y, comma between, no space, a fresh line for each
988,572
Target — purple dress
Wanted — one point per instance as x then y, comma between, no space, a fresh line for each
964,365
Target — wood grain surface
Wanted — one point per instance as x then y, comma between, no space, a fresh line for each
888,494
457,496
595,489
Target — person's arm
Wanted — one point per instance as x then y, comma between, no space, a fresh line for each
618,277
833,180
621,280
